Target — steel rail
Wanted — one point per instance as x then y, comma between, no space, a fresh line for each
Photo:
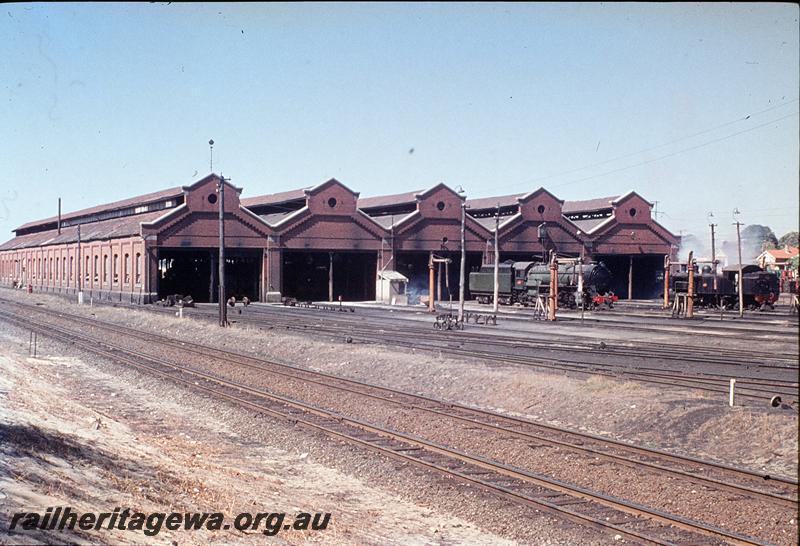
259,363
633,509
661,350
442,409
561,364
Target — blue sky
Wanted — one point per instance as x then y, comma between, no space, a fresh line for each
105,101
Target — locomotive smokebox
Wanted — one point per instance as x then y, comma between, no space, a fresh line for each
599,276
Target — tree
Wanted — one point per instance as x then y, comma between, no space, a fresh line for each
758,238
790,239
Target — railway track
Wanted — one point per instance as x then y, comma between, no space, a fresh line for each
511,349
544,340
642,363
331,323
702,471
616,516
651,321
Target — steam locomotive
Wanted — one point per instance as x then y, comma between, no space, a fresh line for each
760,288
523,282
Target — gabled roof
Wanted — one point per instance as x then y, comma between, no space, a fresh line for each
116,205
624,196
782,253
330,181
588,205
388,200
492,202
290,195
275,198
436,187
407,198
102,230
387,221
489,221
278,218
540,190
193,185
588,225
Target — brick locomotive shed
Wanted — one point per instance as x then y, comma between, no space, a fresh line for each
322,242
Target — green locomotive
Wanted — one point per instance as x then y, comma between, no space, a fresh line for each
524,282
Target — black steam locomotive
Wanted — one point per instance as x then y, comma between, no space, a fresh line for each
523,282
760,288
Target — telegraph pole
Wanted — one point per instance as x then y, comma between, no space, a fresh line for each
431,304
713,249
580,282
463,263
496,260
223,312
741,282
80,291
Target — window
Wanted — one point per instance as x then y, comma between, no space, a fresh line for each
440,205
126,268
115,270
57,268
96,269
105,268
138,268
70,268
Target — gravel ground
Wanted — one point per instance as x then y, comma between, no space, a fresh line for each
675,495
678,419
134,441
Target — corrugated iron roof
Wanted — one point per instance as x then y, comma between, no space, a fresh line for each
388,200
783,253
589,224
392,275
389,220
276,218
492,202
116,205
488,222
587,205
104,229
276,198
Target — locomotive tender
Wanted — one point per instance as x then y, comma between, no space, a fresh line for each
522,282
759,287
